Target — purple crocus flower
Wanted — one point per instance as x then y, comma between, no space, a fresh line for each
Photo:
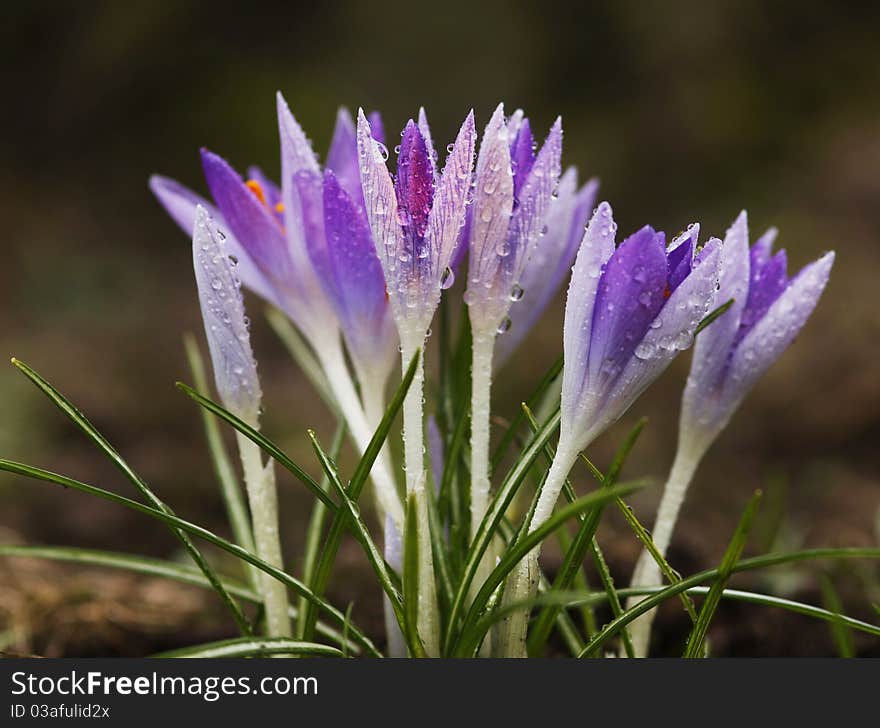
550,262
416,218
768,311
630,310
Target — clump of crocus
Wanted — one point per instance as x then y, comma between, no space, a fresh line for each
306,248
416,221
768,311
235,375
630,310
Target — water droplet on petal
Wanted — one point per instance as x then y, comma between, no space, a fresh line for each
504,326
447,279
516,293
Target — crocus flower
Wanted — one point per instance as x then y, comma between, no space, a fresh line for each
305,247
768,311
512,199
550,263
416,220
235,375
630,310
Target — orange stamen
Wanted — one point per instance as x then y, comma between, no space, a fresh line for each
257,189
279,207
666,292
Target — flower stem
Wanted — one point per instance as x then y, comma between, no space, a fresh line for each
481,392
333,362
523,582
647,572
263,501
414,457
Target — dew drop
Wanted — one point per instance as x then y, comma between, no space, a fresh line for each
504,326
447,279
516,293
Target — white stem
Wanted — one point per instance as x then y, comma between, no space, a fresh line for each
414,456
523,582
481,393
333,362
263,501
647,571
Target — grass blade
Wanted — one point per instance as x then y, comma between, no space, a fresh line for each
195,530
839,632
712,315
731,556
80,420
253,648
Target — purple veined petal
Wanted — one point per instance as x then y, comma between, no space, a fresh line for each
629,297
529,216
296,150
181,203
425,129
377,127
762,248
522,155
671,332
551,262
596,248
713,344
489,214
310,190
380,201
249,220
415,189
514,121
358,284
775,331
451,199
343,156
680,256
226,327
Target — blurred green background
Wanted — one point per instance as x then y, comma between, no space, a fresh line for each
687,112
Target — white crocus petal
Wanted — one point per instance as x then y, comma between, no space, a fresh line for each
226,326
596,248
775,331
515,122
491,209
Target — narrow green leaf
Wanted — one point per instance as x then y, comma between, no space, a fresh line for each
264,443
469,641
489,525
79,419
411,579
250,647
728,562
191,528
230,489
841,635
711,316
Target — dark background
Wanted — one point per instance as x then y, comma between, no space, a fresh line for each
686,111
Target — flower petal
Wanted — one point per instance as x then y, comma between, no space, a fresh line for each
377,127
767,282
343,156
680,256
522,155
415,186
226,327
181,203
249,219
489,214
425,129
596,248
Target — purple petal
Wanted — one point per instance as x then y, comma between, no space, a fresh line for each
596,249
768,280
762,248
450,200
377,127
522,155
250,221
489,214
342,157
270,190
235,370
775,331
181,204
415,186
356,281
310,189
425,129
680,256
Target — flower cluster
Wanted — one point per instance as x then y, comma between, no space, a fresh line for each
358,257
